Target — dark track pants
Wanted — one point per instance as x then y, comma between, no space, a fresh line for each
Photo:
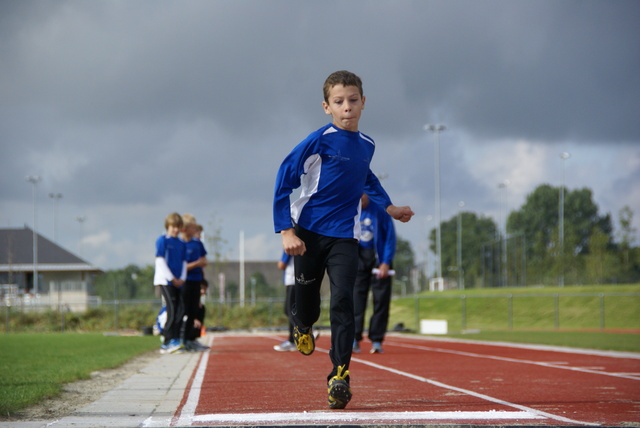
288,304
175,311
381,293
339,256
190,292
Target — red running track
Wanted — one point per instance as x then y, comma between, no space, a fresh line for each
416,381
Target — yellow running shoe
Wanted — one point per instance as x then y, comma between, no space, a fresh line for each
305,342
339,391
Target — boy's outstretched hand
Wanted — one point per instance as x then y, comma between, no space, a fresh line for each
292,245
402,214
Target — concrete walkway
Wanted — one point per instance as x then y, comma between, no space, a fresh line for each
148,398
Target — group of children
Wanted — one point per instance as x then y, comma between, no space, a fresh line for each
180,259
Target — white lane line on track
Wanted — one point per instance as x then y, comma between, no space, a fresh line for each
474,394
349,417
535,347
189,408
514,360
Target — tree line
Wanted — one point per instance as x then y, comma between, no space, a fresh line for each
534,251
539,247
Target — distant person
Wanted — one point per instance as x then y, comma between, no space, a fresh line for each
321,228
191,291
376,251
170,275
286,265
198,323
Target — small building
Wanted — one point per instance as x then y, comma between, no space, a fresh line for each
64,279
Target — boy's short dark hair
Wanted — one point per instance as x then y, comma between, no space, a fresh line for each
344,78
173,219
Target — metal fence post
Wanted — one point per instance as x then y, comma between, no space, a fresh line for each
510,300
417,311
556,310
464,312
602,311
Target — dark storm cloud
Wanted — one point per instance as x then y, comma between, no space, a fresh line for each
151,103
541,70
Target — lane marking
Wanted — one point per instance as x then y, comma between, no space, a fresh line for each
535,347
513,360
473,393
189,408
346,416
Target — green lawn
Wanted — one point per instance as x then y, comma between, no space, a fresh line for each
550,315
34,366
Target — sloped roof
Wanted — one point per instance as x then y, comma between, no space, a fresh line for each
16,253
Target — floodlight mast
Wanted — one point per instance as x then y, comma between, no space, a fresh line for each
564,156
34,179
437,129
55,197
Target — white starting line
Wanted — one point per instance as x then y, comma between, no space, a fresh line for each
348,417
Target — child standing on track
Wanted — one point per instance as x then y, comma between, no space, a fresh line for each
286,264
196,260
170,274
376,250
321,228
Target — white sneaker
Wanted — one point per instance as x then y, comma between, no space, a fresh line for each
285,346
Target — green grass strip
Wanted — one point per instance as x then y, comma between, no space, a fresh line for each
35,366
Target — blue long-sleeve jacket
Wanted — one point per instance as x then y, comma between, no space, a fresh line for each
378,231
331,166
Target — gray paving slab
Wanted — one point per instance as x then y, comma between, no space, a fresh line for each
148,398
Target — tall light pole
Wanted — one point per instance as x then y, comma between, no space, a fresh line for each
504,185
34,179
460,270
81,220
437,129
55,197
564,156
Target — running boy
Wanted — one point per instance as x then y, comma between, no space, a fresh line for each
321,228
170,274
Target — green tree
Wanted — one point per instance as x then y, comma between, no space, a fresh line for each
258,284
403,263
538,222
130,283
215,246
478,246
629,262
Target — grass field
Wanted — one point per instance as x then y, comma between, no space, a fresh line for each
615,307
35,366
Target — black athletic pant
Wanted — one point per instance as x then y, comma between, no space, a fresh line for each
175,312
339,256
289,302
191,300
381,293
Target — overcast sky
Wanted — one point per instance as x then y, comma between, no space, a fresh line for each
135,109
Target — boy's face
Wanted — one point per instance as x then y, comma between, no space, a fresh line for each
173,230
190,230
345,106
